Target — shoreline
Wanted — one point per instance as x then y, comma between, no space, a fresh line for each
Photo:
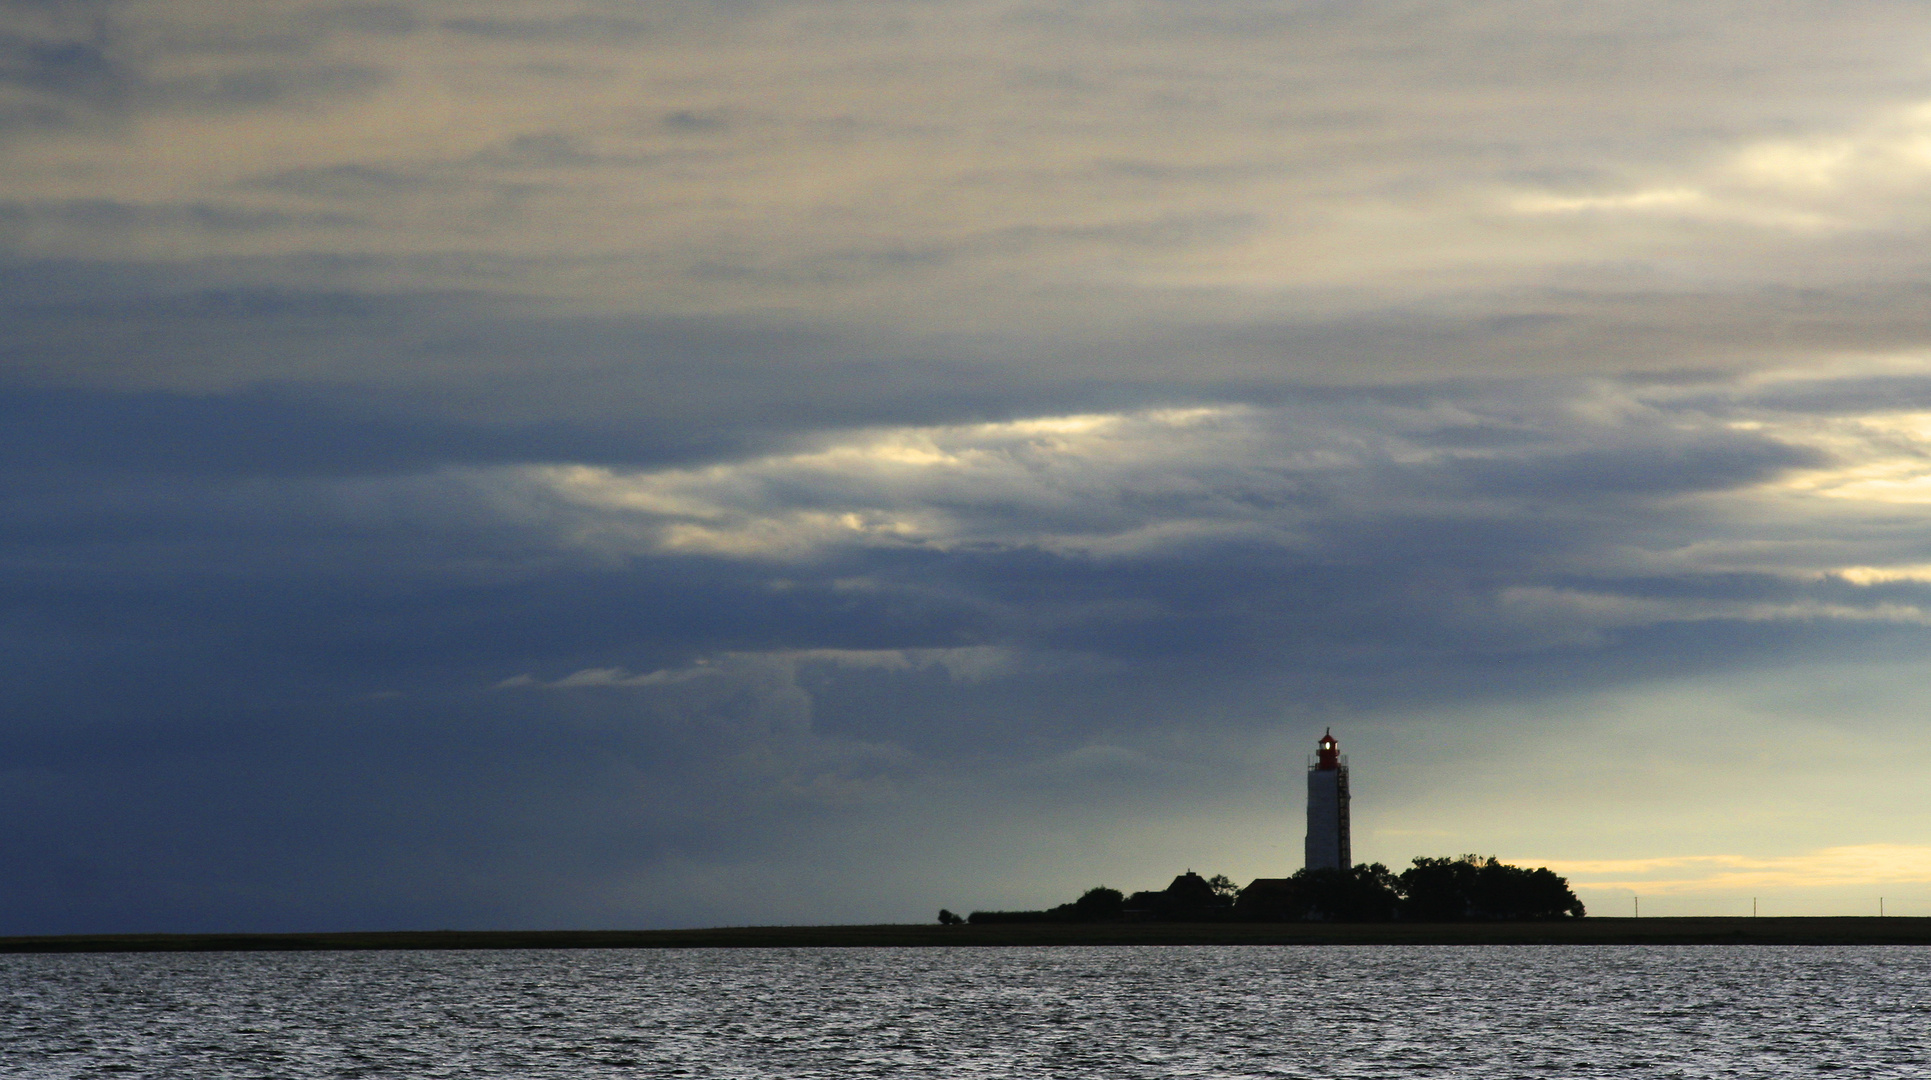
1721,930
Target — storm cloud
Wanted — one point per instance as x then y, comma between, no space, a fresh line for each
490,464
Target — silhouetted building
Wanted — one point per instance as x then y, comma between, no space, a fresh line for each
1327,807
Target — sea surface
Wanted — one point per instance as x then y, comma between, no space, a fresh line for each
1344,1011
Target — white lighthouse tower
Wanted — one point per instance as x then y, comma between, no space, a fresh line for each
1327,807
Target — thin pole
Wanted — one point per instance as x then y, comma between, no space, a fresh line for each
1880,907
1753,907
1638,901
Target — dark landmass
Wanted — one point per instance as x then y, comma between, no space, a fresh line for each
1593,931
1467,888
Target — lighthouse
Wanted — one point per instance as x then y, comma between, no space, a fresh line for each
1327,807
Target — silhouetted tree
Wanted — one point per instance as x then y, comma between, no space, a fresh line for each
1099,905
1432,890
1472,887
946,918
1365,893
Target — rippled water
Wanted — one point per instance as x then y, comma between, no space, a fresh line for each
1048,1012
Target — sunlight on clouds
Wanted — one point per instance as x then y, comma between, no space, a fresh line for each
1158,481
602,345
1851,514
1865,865
942,167
1891,153
793,535
1792,781
1796,165
917,486
1883,458
1864,178
1878,575
1659,199
1575,609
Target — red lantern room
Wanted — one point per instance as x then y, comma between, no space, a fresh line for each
1329,752
1327,807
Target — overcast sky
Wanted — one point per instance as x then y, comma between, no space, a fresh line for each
483,463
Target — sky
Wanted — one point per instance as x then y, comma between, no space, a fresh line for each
594,463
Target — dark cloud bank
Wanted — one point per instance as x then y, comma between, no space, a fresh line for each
378,551
275,663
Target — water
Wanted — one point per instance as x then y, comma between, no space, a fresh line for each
1045,1012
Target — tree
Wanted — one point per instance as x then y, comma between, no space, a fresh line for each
946,918
1364,893
1099,905
1473,887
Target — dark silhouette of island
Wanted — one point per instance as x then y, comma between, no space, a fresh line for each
1833,931
1470,888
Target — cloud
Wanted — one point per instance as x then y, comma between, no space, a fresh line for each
1257,194
94,67
119,218
579,28
53,63
820,442
1862,178
965,664
914,487
1298,478
1861,865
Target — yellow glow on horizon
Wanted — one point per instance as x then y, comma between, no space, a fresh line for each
1825,868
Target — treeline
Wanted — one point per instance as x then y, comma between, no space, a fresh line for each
1446,889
